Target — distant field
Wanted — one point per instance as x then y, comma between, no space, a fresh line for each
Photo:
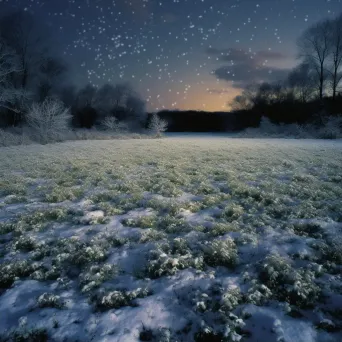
186,238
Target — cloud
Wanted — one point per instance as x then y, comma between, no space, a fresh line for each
245,67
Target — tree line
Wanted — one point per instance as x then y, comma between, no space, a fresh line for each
36,92
34,80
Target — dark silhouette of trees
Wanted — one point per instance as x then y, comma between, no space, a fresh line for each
335,72
315,48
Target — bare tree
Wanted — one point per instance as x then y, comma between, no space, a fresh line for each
336,54
49,120
302,81
29,40
315,48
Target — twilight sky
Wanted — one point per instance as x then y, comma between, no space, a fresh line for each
185,54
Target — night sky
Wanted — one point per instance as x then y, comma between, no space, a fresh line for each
179,54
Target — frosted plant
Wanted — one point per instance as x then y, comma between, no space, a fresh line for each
111,123
95,275
231,299
221,252
49,120
49,300
157,126
116,299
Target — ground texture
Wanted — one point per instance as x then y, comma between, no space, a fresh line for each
175,239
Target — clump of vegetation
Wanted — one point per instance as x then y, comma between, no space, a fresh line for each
297,287
232,212
25,243
40,219
61,194
146,221
310,229
71,252
25,334
95,275
89,254
173,225
167,259
232,331
165,206
49,300
231,299
11,271
43,273
221,252
104,300
220,229
258,294
151,235
106,196
13,199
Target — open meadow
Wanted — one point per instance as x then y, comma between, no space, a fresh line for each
175,239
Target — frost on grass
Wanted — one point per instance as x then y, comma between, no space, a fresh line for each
232,237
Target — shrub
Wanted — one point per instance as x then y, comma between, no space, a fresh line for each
147,221
151,235
116,299
258,294
89,254
26,335
222,228
111,123
231,299
60,194
295,286
16,269
95,275
49,120
157,126
232,212
49,300
221,253
173,225
25,243
168,259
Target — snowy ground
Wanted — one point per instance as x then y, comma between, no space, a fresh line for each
177,239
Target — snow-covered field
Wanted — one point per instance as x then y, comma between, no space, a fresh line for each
177,239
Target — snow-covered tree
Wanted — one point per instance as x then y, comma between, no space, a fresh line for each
48,119
157,125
